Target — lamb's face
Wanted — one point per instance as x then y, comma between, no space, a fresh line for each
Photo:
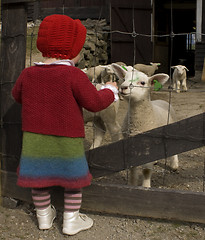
136,85
180,69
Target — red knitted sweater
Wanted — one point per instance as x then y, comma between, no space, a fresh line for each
52,98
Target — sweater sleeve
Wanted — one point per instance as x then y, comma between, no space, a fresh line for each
17,89
88,96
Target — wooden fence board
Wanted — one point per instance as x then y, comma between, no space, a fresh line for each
150,146
10,189
16,1
13,51
93,12
154,203
124,200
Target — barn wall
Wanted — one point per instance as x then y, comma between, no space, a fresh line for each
81,9
129,48
94,9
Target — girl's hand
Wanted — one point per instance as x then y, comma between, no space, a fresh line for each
112,83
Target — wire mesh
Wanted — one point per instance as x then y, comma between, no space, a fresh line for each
32,35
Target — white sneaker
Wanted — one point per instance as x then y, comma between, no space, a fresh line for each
74,222
46,217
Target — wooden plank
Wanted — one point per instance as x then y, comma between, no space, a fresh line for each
150,146
155,203
122,13
136,201
13,52
203,72
124,200
10,189
16,1
93,12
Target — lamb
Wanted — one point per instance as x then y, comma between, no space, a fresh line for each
101,73
149,70
143,114
94,74
107,74
103,121
179,78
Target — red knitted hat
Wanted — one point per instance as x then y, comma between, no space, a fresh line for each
60,36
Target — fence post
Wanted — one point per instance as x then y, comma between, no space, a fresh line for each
203,72
13,52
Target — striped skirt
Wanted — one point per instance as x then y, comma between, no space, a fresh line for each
52,161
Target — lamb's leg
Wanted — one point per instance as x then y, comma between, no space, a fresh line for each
109,117
174,162
178,87
114,130
174,86
99,132
147,174
133,178
184,87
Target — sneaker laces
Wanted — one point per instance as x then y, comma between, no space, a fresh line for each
83,216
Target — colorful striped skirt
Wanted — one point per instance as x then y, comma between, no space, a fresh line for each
52,161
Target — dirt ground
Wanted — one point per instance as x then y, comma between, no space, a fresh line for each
20,222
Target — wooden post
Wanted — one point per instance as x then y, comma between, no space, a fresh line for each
13,52
0,158
203,72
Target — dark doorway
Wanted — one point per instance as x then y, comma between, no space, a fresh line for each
179,18
123,45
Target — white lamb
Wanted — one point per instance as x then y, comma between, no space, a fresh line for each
179,77
100,74
94,74
143,114
107,75
105,120
149,70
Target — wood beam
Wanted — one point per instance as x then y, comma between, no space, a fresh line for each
137,201
150,146
124,200
16,1
13,52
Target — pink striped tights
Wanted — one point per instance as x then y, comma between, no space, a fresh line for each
72,199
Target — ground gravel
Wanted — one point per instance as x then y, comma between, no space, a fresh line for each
20,223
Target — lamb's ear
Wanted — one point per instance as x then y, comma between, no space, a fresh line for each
186,68
173,67
120,71
160,77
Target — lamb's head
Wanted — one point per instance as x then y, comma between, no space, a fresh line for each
137,85
156,65
180,69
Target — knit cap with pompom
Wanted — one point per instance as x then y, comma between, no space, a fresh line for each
60,36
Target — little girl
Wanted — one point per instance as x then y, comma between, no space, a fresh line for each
52,95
